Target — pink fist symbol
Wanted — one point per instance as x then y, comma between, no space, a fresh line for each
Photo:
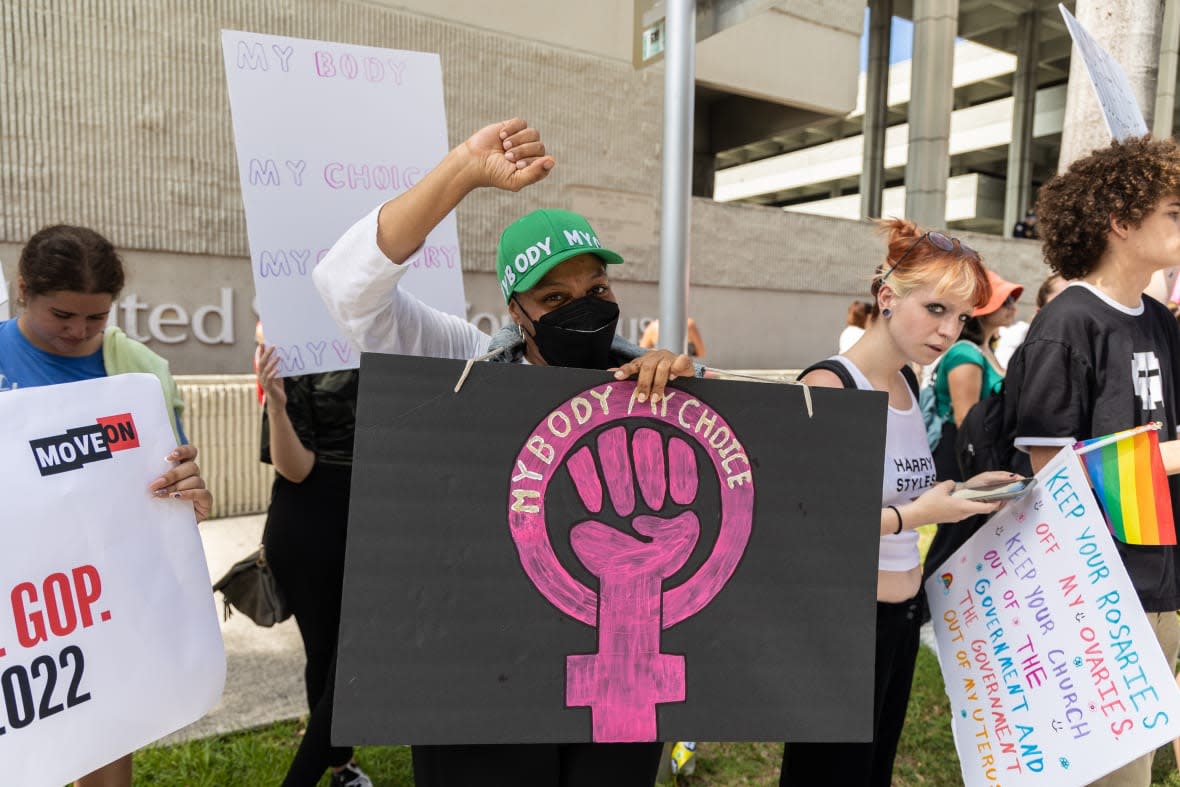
644,483
628,676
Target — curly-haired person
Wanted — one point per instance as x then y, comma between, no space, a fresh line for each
1101,357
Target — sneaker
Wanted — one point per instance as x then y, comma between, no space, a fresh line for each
351,776
684,757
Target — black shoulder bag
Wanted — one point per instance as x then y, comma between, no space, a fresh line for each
250,588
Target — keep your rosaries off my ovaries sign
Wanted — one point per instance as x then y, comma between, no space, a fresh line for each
1052,670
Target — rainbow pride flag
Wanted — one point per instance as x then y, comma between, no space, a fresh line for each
1127,474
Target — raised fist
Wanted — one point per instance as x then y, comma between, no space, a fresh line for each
509,155
667,481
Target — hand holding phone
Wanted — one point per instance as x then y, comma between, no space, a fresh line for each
994,493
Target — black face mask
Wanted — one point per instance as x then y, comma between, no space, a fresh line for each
578,334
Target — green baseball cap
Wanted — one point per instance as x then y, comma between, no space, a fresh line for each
536,243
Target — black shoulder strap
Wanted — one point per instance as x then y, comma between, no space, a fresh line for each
910,378
841,371
835,367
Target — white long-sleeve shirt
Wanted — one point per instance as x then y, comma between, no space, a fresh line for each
359,286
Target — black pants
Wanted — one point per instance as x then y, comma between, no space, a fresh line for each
867,764
538,765
304,539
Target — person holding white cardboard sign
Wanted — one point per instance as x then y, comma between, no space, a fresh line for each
552,269
67,283
308,424
1101,358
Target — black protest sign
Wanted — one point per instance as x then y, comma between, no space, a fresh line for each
542,558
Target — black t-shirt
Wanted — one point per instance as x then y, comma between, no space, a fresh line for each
322,408
1090,367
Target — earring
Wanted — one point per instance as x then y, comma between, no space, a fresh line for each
887,313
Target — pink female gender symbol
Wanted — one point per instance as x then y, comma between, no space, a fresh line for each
624,681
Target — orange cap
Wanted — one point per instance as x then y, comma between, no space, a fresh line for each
1001,290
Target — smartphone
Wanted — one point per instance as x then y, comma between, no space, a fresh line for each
994,493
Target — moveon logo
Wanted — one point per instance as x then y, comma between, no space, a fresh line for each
70,451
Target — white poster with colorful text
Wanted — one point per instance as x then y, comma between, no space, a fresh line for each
109,638
1053,673
325,133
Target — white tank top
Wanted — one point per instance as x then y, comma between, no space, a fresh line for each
909,471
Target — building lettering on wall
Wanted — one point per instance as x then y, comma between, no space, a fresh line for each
172,323
213,323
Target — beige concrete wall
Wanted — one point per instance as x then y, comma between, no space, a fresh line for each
789,55
602,28
763,57
115,114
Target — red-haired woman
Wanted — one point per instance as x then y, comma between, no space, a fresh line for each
924,292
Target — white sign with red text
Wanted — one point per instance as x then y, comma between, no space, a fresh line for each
325,133
109,638
1053,673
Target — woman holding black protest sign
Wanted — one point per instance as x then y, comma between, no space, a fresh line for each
68,278
307,434
924,292
552,271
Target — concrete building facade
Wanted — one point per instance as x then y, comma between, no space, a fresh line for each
976,131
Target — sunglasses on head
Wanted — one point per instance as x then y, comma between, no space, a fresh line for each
938,241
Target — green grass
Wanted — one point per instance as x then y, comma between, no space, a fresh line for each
745,764
254,757
926,754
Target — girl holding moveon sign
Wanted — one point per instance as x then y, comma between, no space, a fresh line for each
925,291
68,280
552,271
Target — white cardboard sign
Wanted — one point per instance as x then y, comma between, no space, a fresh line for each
1053,673
3,297
1123,116
109,637
324,133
